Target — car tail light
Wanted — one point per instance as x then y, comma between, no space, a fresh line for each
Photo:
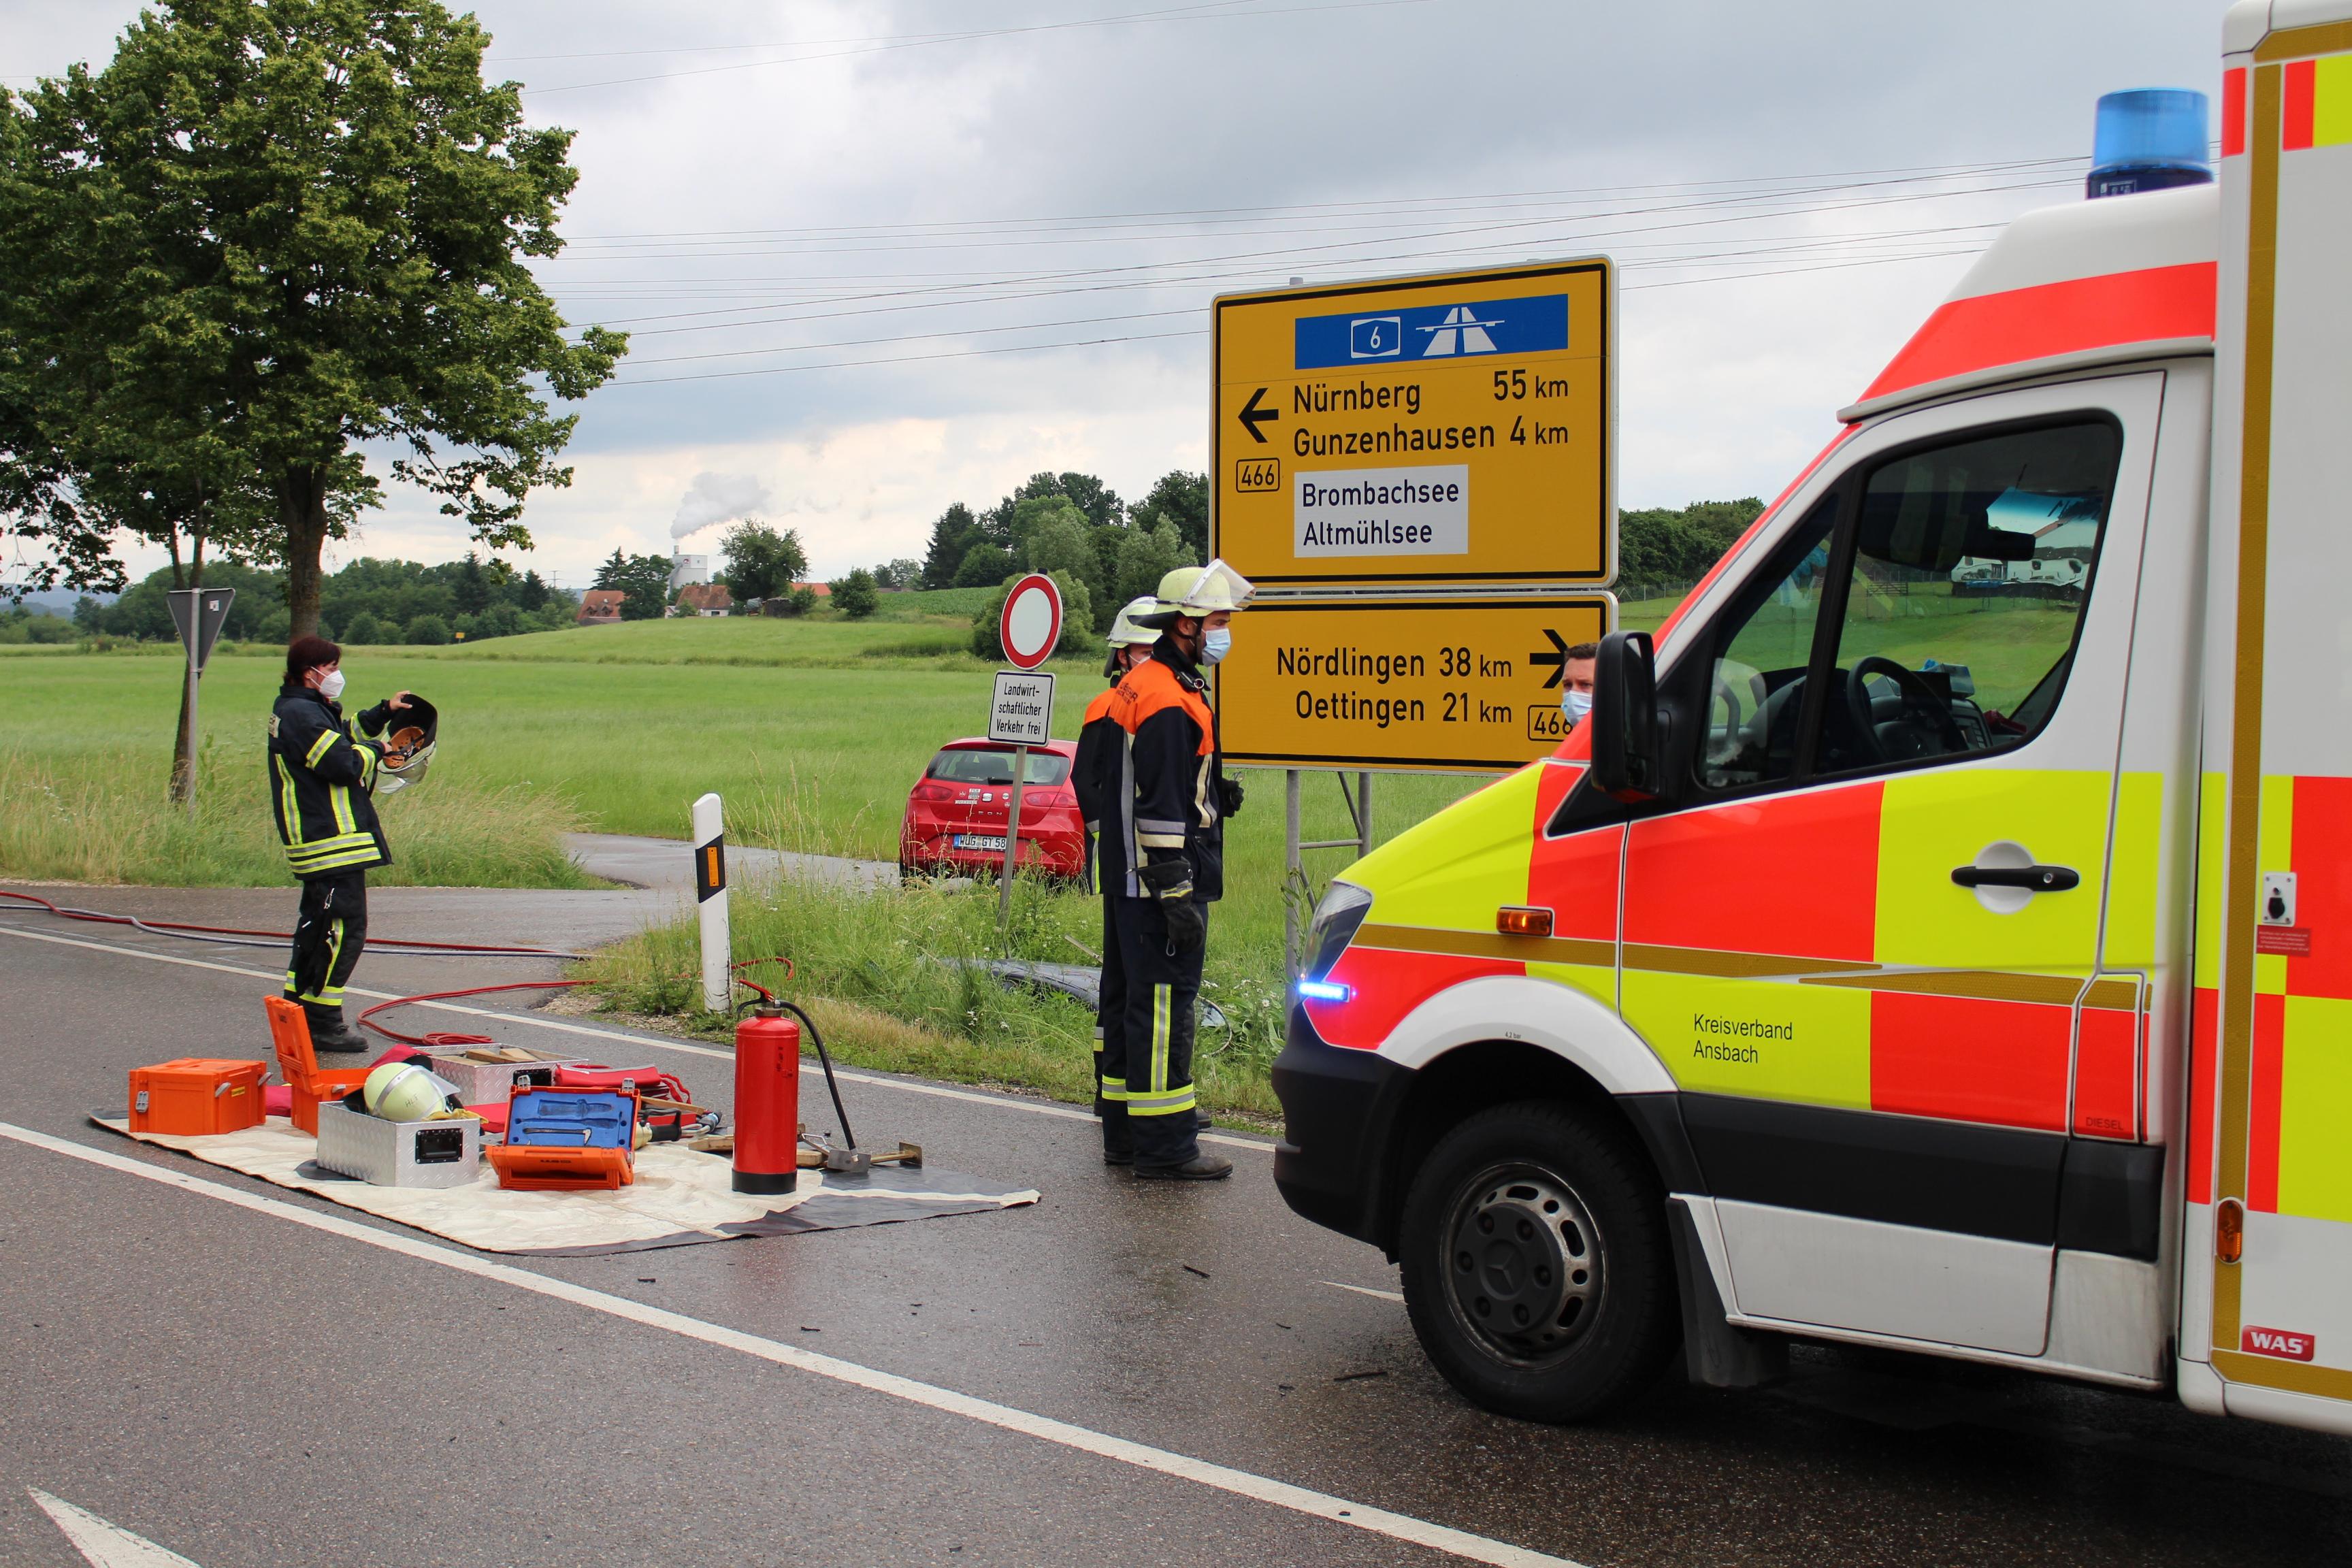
928,790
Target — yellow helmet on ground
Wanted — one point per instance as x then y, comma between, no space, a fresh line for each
402,1092
1198,591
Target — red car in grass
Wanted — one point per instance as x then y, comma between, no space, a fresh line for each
956,813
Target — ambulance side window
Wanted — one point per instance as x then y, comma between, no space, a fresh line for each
1972,564
1756,697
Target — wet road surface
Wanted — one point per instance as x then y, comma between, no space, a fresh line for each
244,1388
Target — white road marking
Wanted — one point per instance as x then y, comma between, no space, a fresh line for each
1044,1428
1364,1291
103,1545
1003,1102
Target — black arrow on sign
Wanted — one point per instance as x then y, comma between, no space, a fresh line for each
1557,658
1252,416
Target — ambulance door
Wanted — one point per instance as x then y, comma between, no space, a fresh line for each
2267,1247
1861,939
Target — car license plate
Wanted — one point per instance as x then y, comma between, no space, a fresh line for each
981,841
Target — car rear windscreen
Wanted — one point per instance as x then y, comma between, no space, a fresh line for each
969,767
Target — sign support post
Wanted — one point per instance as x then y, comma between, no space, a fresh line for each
1012,840
1022,708
1296,888
198,614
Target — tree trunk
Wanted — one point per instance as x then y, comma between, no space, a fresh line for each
302,513
184,741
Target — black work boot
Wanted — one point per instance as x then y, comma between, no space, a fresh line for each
1118,1154
1199,1168
335,1038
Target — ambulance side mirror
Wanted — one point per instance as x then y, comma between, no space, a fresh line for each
1626,765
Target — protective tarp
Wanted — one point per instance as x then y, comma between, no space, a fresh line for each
679,1199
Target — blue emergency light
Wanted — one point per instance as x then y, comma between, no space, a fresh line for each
2148,139
1324,991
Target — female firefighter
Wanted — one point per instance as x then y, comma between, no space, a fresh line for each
1163,863
322,774
1094,776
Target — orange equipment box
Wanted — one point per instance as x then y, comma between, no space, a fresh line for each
289,1033
195,1096
546,1168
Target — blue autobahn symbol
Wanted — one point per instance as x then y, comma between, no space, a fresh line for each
1457,329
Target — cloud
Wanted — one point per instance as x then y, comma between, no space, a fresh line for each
962,271
716,497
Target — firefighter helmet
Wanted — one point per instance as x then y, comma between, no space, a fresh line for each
410,736
402,1092
1198,591
1126,631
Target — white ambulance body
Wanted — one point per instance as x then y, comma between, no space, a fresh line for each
1945,941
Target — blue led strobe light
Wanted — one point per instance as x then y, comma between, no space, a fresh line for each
1324,991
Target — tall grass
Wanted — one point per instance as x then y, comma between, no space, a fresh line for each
99,815
892,978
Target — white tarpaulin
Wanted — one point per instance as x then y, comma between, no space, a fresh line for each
679,1196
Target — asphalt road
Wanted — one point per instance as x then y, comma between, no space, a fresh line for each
246,1375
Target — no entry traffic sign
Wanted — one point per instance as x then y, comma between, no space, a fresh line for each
1032,622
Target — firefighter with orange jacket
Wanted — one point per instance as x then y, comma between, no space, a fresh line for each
1163,864
1094,775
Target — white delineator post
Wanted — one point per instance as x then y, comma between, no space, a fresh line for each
710,900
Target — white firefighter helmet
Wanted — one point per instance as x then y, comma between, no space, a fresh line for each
409,739
402,1092
1198,591
1126,633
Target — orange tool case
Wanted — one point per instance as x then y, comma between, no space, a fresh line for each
196,1095
566,1139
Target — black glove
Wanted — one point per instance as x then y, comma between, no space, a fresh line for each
1229,796
1187,924
1168,876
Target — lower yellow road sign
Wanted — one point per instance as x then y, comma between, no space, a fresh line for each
1467,685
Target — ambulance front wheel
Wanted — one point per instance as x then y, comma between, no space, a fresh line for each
1536,1268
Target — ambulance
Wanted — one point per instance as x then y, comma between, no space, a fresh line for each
1941,938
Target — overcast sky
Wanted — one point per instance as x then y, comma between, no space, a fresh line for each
879,256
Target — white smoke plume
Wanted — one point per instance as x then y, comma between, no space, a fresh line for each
715,498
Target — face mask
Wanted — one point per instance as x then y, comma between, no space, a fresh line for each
1215,645
331,685
1576,705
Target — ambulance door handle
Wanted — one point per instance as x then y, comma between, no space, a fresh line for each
2032,878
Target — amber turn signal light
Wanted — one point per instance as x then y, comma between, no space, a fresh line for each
1523,920
2229,1230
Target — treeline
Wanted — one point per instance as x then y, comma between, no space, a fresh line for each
1102,550
369,602
1665,548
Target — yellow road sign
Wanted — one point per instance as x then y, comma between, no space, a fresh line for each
1454,684
1455,428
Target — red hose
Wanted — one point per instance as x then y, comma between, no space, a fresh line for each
174,926
438,1037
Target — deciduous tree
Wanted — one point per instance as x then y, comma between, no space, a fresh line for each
308,220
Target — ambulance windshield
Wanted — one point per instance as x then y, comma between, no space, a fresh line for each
1957,610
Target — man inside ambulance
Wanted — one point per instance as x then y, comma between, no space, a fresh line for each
1575,681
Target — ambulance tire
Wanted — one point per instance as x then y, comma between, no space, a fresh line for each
1553,1206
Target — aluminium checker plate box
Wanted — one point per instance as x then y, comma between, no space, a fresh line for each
398,1154
487,1083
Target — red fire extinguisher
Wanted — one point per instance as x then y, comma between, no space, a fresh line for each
767,1102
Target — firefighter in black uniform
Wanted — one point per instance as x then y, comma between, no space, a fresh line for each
322,772
1094,775
1164,865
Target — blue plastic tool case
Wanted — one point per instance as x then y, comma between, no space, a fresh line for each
571,1118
